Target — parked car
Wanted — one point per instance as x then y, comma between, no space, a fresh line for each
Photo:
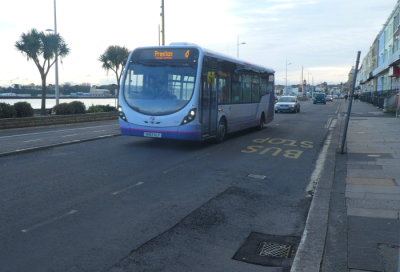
319,98
287,104
329,98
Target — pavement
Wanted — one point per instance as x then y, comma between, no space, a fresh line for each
363,230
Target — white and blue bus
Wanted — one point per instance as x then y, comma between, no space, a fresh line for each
183,91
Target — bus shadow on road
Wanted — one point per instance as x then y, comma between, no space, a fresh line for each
172,144
168,144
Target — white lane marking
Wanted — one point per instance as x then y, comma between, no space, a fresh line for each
25,149
104,136
328,123
127,188
47,222
172,169
52,131
30,141
333,124
69,135
316,174
99,130
257,176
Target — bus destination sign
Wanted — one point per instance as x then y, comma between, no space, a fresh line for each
167,54
164,54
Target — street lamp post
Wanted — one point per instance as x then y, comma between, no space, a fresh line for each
237,46
287,63
162,22
57,90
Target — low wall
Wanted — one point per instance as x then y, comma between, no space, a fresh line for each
390,104
56,119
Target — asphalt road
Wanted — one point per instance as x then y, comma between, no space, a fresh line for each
138,204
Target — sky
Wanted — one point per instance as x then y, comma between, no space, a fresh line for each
320,37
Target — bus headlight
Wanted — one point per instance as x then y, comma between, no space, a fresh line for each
190,117
121,114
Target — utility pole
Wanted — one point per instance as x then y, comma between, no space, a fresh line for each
162,22
159,41
302,80
286,86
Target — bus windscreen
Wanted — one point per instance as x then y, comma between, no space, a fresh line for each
160,81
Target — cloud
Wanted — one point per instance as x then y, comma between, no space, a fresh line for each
309,33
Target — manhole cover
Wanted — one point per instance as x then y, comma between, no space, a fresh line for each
274,250
268,250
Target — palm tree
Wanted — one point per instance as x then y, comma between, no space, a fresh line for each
42,49
114,59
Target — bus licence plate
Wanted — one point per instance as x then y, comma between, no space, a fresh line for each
152,134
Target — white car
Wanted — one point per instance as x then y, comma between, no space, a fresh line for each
287,104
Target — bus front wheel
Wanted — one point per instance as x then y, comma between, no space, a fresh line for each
221,132
261,125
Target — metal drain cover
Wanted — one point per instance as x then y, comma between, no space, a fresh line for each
268,250
274,250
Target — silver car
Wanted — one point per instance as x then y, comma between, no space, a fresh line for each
287,104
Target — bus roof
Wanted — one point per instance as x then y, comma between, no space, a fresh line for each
211,53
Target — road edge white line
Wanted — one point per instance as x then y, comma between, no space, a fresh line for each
319,166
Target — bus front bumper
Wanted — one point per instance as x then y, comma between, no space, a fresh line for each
190,132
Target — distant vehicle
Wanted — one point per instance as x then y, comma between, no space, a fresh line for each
319,98
287,104
186,92
329,98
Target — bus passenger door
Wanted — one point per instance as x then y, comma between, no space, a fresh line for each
209,112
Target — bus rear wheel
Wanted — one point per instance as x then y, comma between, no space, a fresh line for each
221,131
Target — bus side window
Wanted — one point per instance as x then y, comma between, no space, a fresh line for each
264,86
270,84
224,96
220,93
236,92
255,89
246,88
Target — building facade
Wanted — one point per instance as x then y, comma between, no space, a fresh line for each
379,76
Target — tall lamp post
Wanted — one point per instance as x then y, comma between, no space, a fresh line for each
287,63
237,46
56,64
162,22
